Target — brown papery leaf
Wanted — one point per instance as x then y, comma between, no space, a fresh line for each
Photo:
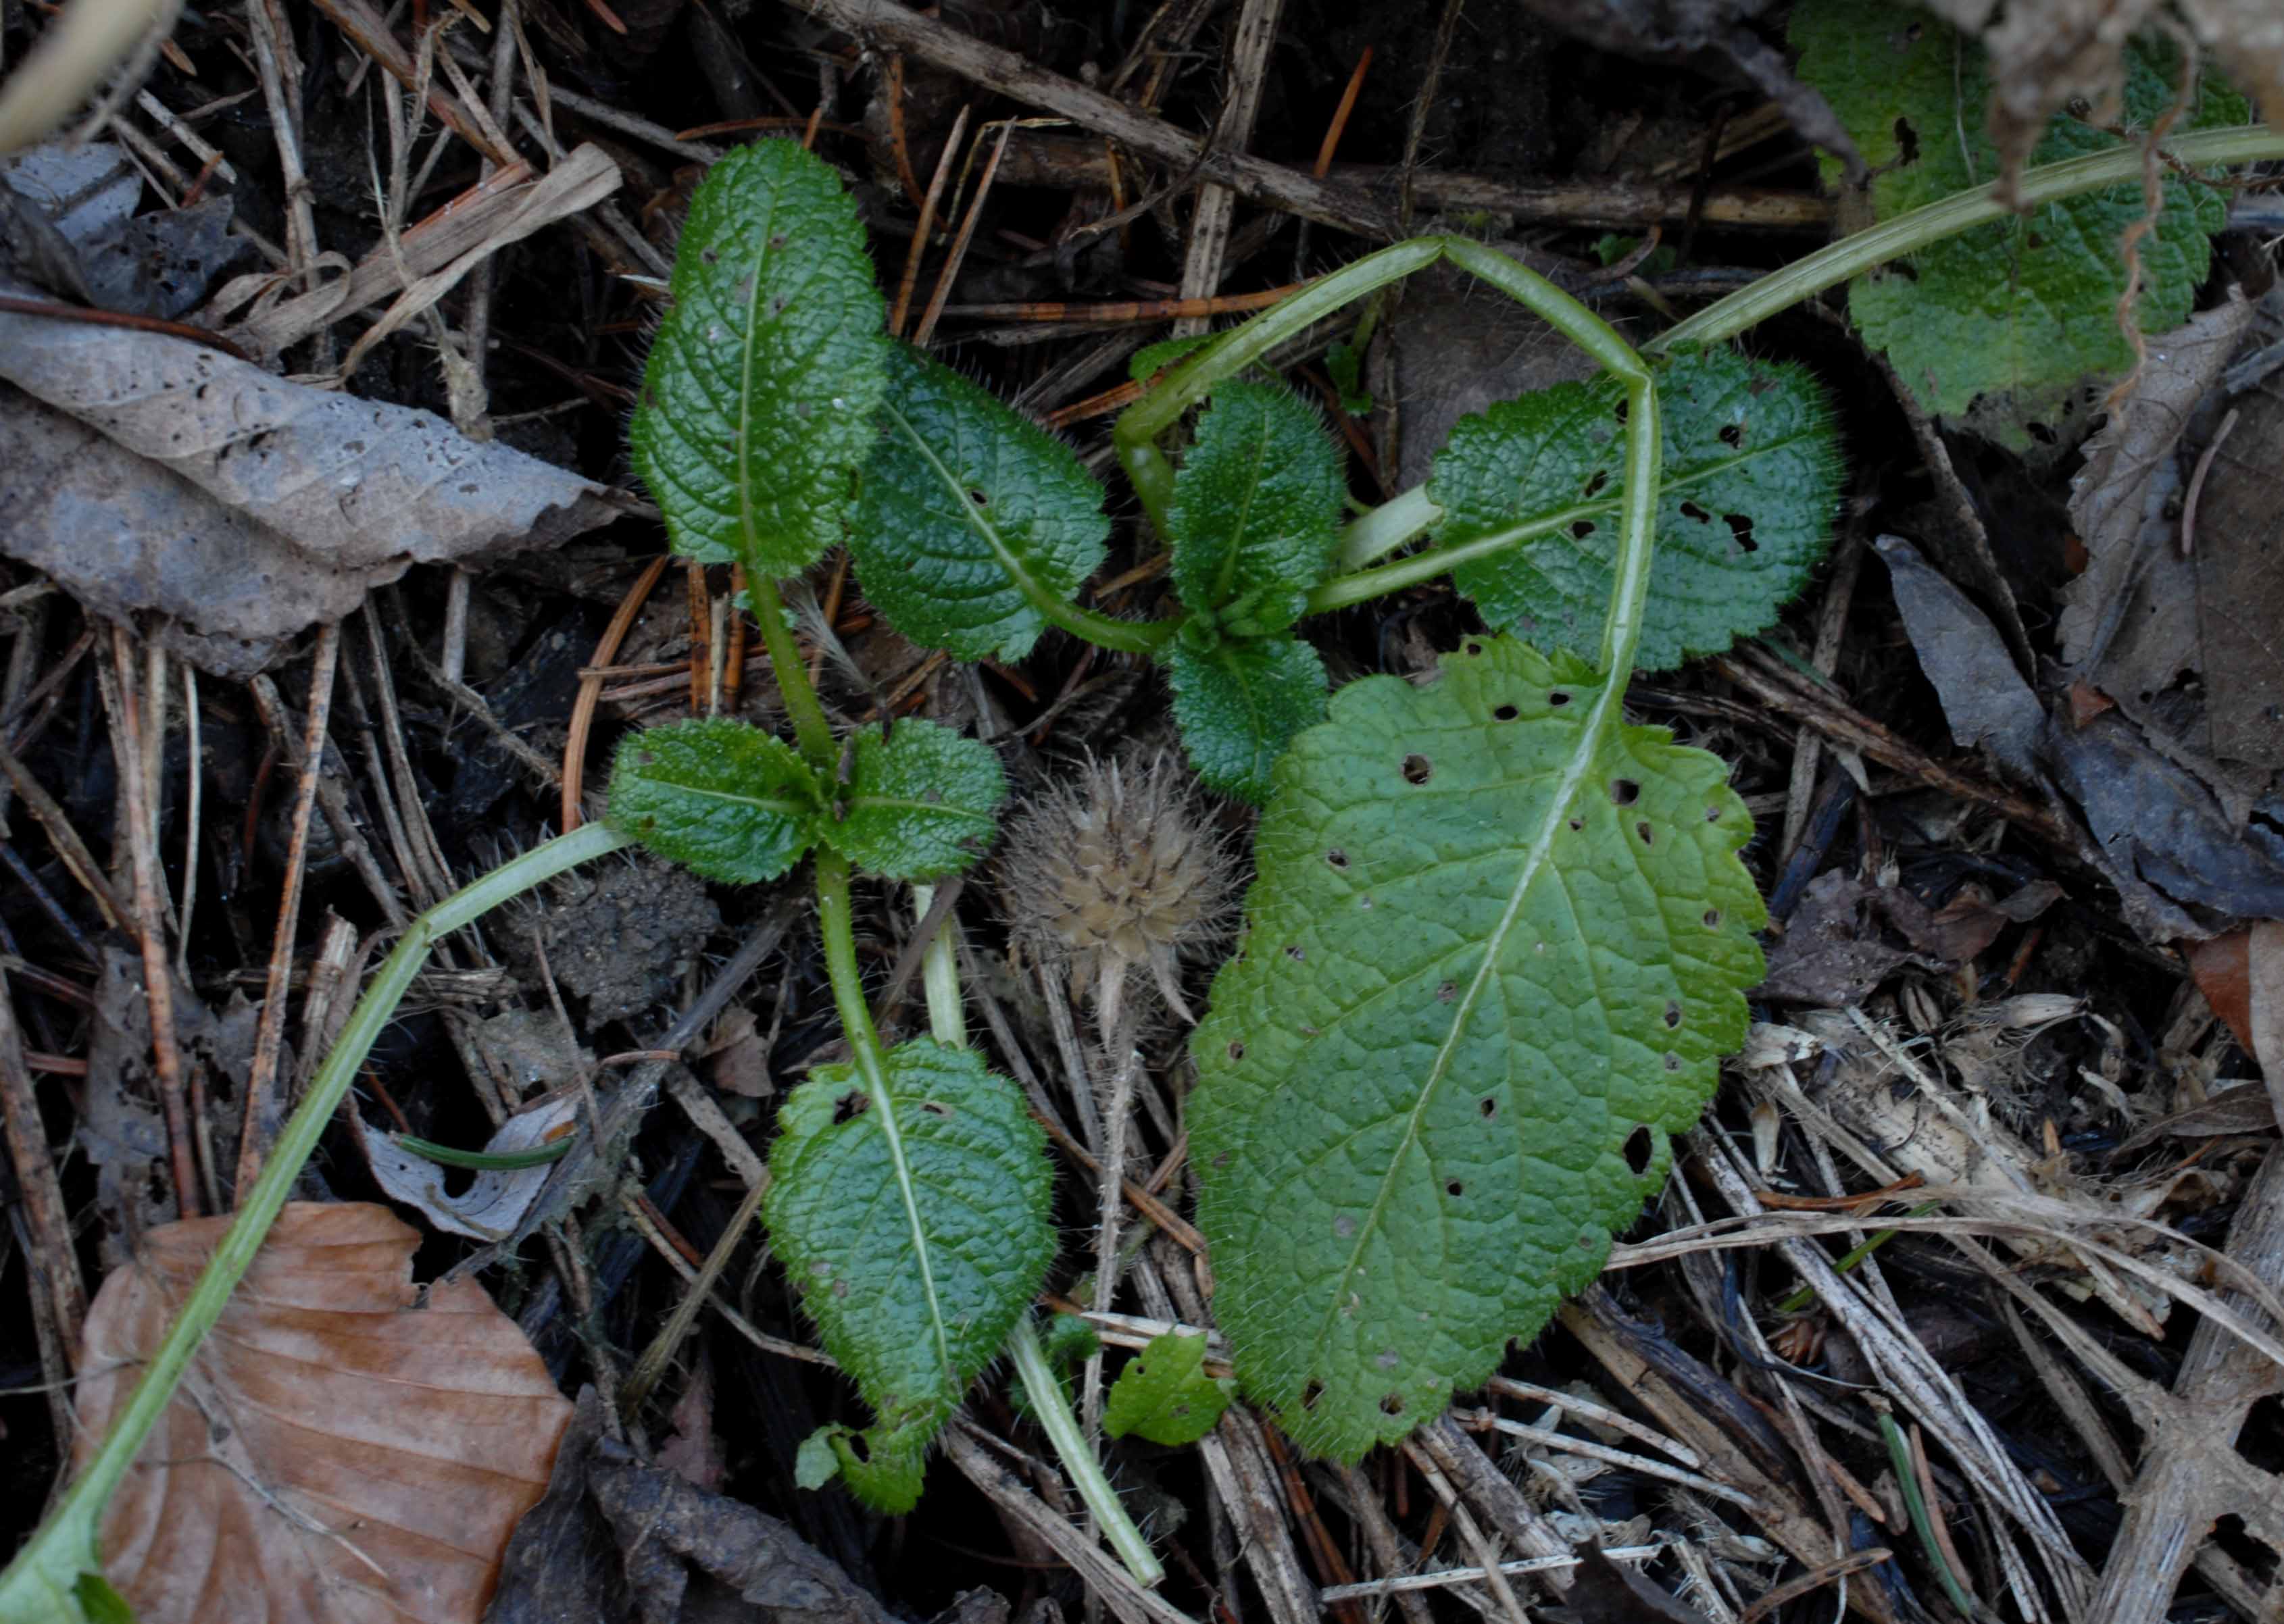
334,1452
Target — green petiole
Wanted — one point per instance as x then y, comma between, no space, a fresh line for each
484,1162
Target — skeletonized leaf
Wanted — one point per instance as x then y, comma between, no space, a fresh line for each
335,1452
1496,951
2026,306
1238,704
718,796
1165,1395
758,396
1751,483
916,1227
921,803
1256,503
970,516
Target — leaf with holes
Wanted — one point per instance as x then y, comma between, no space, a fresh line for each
1257,506
2028,306
973,525
717,796
758,396
913,1214
1239,702
921,803
1496,950
1165,1395
1529,491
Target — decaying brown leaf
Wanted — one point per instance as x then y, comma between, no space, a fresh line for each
336,1453
145,472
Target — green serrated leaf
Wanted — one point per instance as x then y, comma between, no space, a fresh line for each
920,802
1751,484
1238,703
1497,949
969,516
757,399
718,796
917,1229
1164,1394
1257,506
2028,306
817,1462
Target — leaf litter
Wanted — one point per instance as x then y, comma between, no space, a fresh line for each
2085,1146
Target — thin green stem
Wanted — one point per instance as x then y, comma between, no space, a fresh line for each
809,728
1136,433
1909,233
41,1582
1107,631
1052,1408
1383,529
484,1162
940,974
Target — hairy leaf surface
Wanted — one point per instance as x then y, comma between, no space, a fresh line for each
2026,306
1239,702
1165,1395
718,796
1751,483
920,802
1256,506
970,516
758,396
917,1229
1496,951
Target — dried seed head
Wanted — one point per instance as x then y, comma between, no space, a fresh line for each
1118,868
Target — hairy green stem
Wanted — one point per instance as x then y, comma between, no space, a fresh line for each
1962,211
42,1582
1052,1408
811,729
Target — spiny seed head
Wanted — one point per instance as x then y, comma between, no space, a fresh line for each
1116,868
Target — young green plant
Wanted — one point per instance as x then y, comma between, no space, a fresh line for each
760,441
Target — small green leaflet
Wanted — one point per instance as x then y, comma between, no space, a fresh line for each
1529,491
1165,1395
759,392
1257,507
2028,306
1239,702
1497,949
921,803
720,797
972,523
1152,359
917,1229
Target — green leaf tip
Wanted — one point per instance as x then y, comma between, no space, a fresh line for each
1165,1395
1257,504
759,392
721,797
921,803
1751,485
1238,703
973,525
2017,311
1496,950
916,1227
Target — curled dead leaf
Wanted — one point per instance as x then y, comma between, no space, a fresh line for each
338,1451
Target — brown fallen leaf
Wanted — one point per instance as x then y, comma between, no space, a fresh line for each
335,1453
2242,975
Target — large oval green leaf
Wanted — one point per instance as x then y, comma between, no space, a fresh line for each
1496,950
757,399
